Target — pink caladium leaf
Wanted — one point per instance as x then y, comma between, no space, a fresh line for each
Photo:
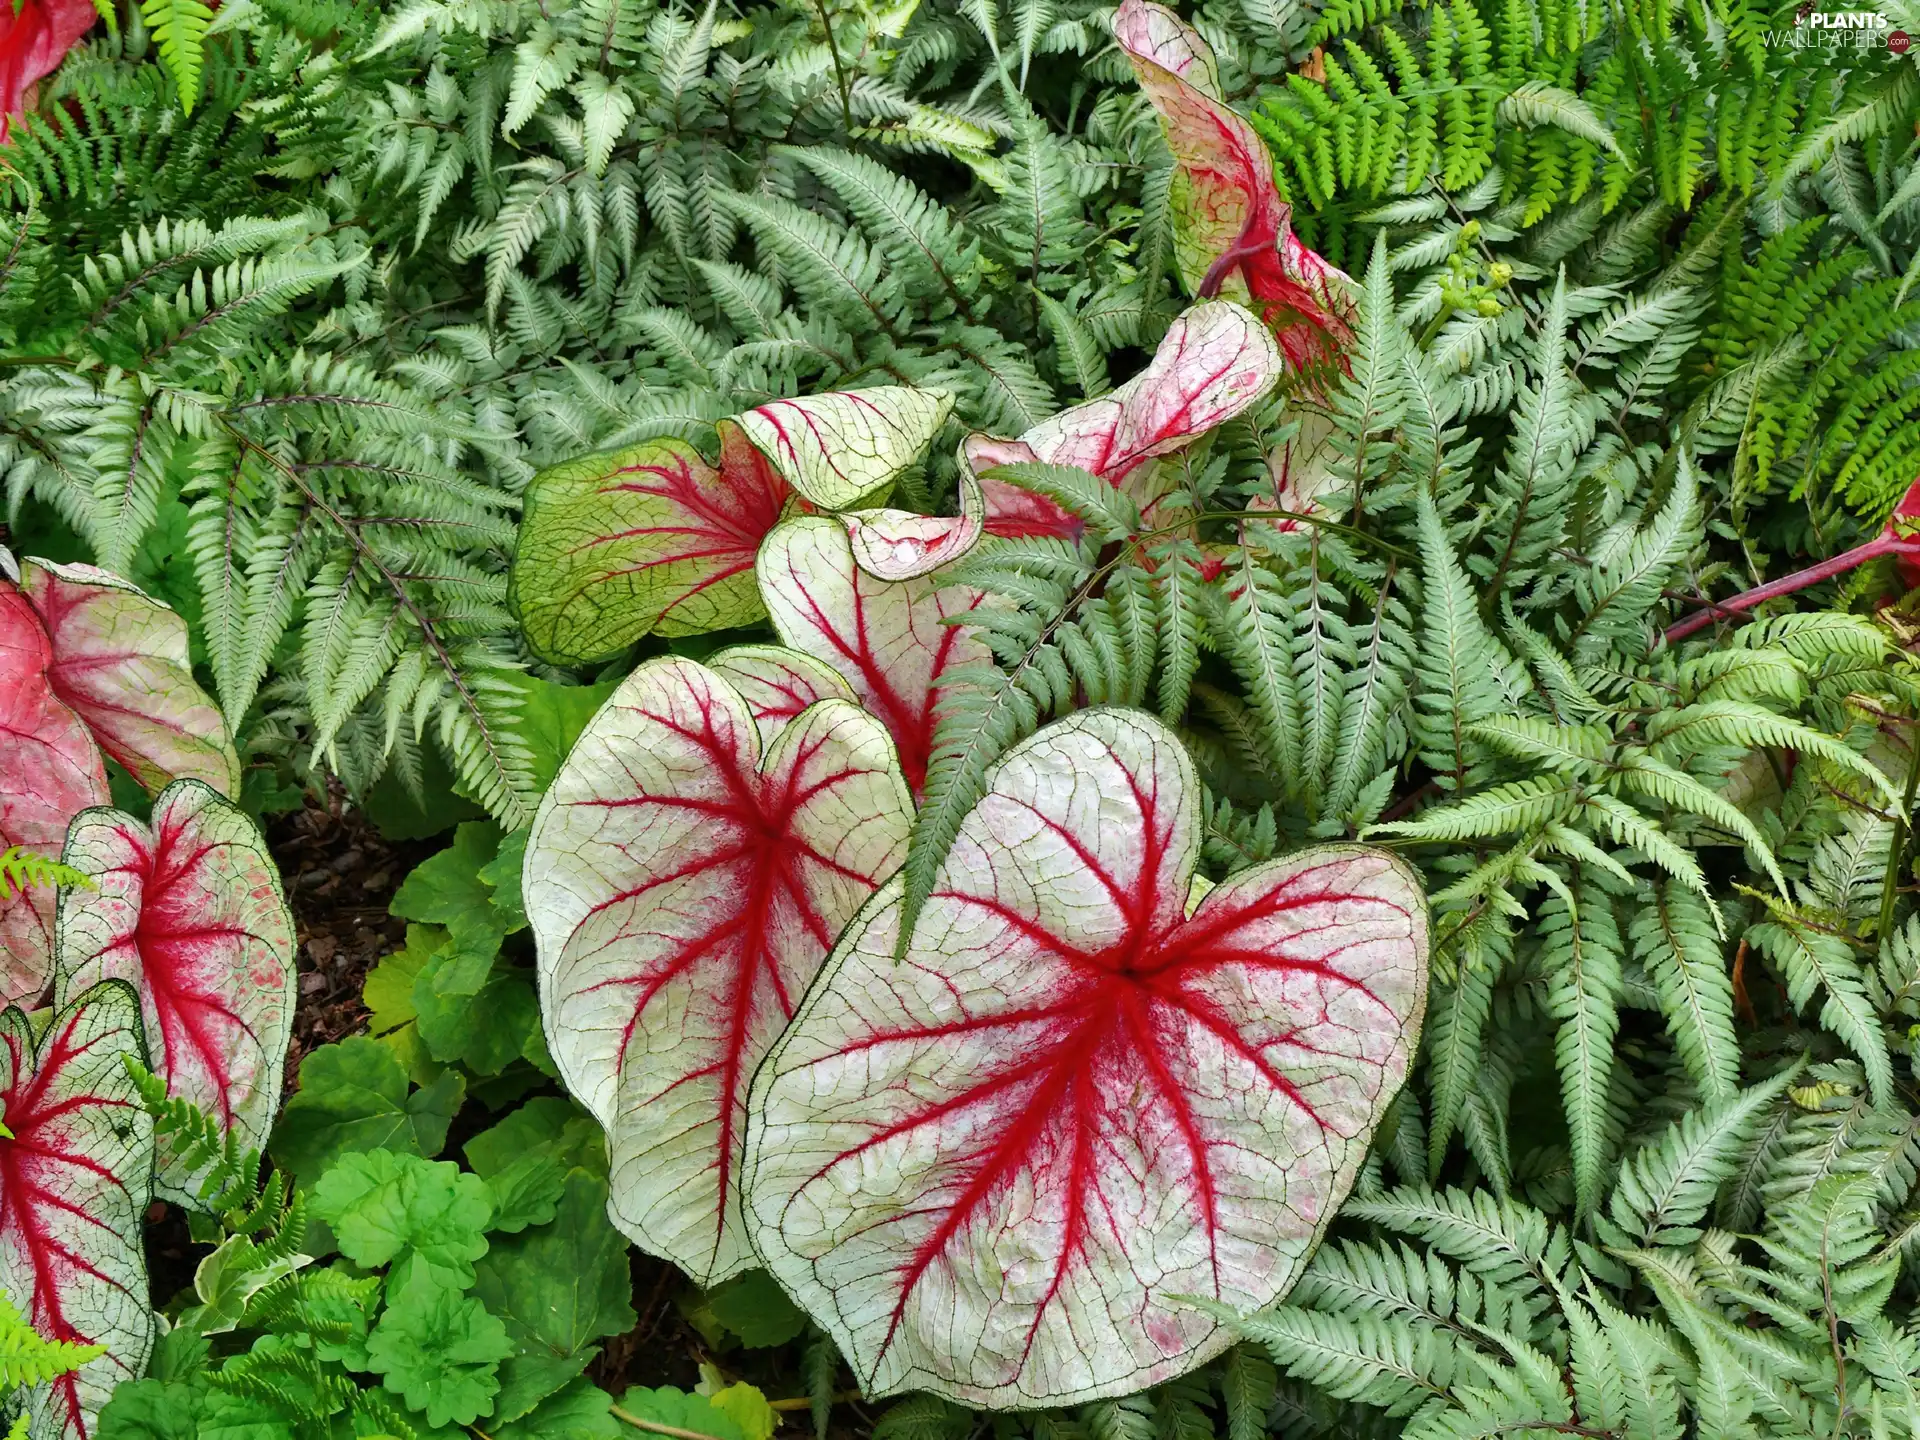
75,1182
890,640
1232,232
1013,512
684,882
1301,469
120,663
901,545
52,771
1215,362
188,909
35,36
844,449
1001,1167
650,539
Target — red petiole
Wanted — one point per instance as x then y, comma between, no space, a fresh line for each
1887,542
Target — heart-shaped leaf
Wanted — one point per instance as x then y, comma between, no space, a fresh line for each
75,1178
890,640
120,663
1233,233
846,447
685,882
1213,363
777,683
994,1169
53,771
188,909
643,540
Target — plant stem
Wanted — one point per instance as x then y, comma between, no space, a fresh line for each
1799,580
839,70
654,1427
1244,249
805,1402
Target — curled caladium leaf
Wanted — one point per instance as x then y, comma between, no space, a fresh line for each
847,447
891,640
651,538
995,1168
52,771
901,545
1232,232
188,909
119,661
75,1173
684,883
1214,362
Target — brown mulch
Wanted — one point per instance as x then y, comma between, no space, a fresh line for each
340,876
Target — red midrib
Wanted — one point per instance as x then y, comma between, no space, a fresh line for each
754,955
759,817
190,1016
1006,1154
26,1114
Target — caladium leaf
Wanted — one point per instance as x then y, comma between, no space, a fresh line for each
778,684
648,539
188,909
901,545
53,771
1232,232
75,1174
1214,362
1012,511
994,1169
889,639
120,663
843,448
684,884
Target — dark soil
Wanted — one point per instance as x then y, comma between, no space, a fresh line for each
340,876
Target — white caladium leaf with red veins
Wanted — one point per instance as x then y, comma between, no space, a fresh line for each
648,539
1301,470
778,684
685,883
1232,232
846,447
120,663
891,640
997,1168
1215,362
188,909
52,771
75,1182
901,545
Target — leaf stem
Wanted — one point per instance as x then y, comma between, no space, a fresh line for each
805,1402
839,70
655,1427
1800,579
